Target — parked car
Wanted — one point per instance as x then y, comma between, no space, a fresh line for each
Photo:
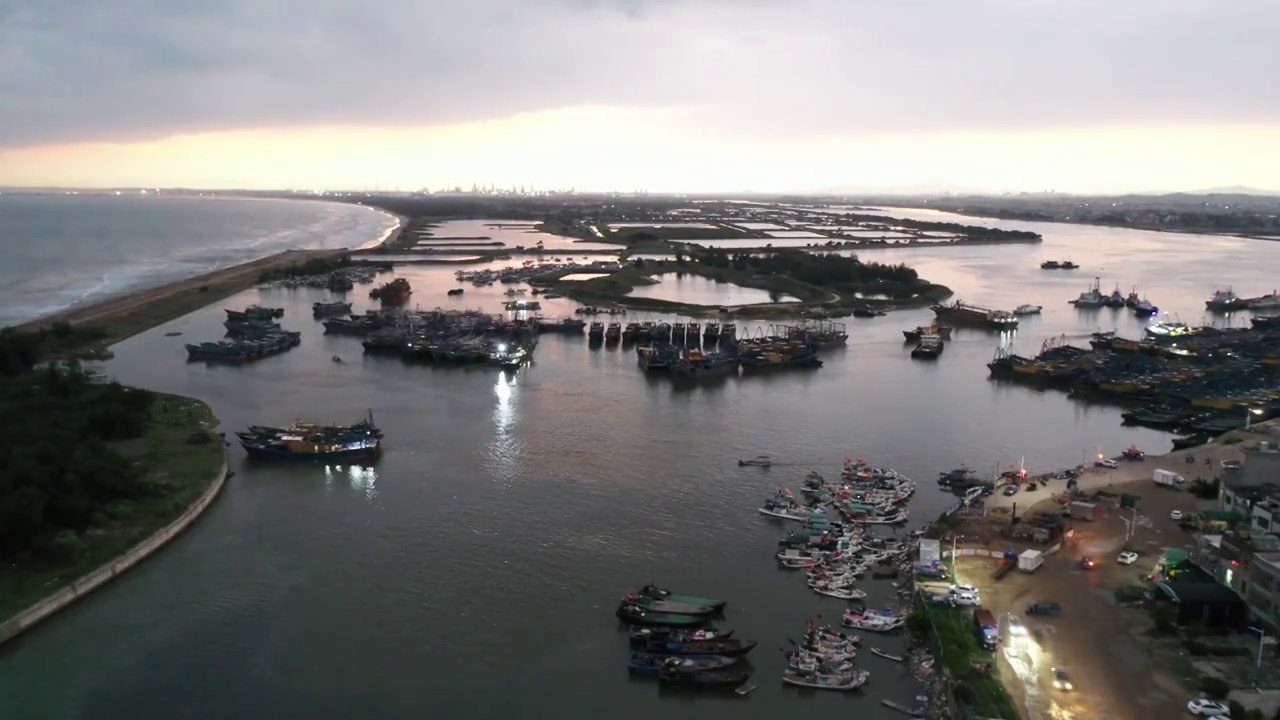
1128,557
1010,490
1044,607
970,589
1205,707
1175,515
971,599
1106,463
1061,681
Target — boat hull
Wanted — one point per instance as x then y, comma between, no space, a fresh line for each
276,454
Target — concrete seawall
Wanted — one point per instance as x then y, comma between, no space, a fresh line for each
96,579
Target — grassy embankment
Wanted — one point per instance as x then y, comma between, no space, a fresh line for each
955,644
180,457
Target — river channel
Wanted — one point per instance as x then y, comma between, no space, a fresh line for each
474,571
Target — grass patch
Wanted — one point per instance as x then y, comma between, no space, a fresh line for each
181,455
956,644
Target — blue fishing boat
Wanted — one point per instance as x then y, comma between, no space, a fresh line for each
305,441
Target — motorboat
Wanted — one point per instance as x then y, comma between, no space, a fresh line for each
643,663
805,661
667,606
763,461
1167,329
661,593
1091,298
1027,310
842,593
643,636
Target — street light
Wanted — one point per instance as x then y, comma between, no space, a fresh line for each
1257,670
1248,416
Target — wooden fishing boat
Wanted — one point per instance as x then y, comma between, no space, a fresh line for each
818,681
660,593
643,663
667,606
639,616
885,655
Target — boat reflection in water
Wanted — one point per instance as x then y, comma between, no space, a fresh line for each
361,478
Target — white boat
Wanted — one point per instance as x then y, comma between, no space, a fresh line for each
872,622
1092,298
885,655
819,681
799,564
843,593
809,663
1027,310
897,517
1266,302
796,554
757,461
1167,329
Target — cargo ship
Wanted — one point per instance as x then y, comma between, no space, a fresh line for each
959,313
308,441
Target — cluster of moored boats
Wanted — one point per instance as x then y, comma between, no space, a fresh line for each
252,334
309,441
339,280
864,496
1094,298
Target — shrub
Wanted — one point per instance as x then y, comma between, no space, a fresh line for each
1237,710
67,546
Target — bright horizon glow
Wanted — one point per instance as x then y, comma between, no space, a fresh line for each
664,150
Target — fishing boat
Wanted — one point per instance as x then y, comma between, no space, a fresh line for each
958,313
1143,308
644,636
306,441
1050,265
758,461
942,331
667,606
659,593
885,655
697,365
329,309
639,616
872,622
819,681
805,661
1091,298
929,348
596,332
643,663
725,677
1225,301
255,312
1027,310
730,647
842,593
455,291
1115,299
1068,265
1167,330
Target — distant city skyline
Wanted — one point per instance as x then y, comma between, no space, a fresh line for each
667,95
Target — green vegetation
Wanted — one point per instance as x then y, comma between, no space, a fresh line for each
92,469
975,687
825,285
1204,489
314,266
20,350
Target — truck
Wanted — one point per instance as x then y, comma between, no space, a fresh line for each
1080,510
1167,478
984,624
1030,560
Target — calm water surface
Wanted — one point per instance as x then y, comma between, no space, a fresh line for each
473,573
697,290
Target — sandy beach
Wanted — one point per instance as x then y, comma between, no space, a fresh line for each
125,315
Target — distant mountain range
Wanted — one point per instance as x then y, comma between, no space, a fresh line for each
1237,190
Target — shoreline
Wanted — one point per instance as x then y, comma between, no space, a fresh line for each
125,314
27,618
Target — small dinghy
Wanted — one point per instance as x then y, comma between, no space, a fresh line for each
643,636
643,663
799,564
762,461
667,606
885,655
819,681
636,615
659,593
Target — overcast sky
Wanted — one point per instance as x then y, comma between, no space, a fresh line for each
772,77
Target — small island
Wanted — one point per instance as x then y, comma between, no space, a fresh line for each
821,285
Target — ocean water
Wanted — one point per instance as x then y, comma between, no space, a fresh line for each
60,250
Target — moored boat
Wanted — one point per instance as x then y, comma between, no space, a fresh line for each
730,647
643,663
1143,308
725,677
1027,310
313,442
1225,301
659,593
639,616
667,606
929,348
820,681
643,636
1091,298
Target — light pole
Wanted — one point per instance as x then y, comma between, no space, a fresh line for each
1257,671
1248,416
955,565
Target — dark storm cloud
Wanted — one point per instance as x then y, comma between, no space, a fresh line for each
130,69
